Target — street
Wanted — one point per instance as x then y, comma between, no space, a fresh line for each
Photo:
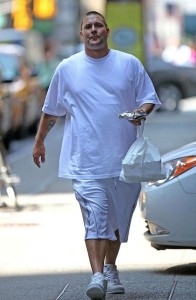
43,255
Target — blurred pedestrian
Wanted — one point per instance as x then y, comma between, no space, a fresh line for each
91,88
47,67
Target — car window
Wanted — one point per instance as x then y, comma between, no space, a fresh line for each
9,67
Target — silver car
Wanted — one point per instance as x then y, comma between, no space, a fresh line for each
20,94
169,206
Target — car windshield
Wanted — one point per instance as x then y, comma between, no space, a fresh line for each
9,65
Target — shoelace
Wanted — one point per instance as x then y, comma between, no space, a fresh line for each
96,278
112,276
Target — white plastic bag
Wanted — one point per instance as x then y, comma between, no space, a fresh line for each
142,162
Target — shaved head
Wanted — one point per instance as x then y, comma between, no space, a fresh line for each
93,12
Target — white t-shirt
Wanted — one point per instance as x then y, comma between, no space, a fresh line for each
91,93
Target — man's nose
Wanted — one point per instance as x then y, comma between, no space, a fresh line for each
93,28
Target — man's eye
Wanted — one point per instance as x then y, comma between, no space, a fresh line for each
87,26
97,25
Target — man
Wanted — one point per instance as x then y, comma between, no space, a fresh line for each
91,88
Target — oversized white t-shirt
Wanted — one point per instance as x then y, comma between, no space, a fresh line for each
91,93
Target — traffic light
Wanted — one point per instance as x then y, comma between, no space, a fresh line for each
21,14
44,9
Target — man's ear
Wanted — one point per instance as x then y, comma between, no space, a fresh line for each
108,32
81,34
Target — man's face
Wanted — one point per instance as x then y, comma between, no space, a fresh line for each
94,32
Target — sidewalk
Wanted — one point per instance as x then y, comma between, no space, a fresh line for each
40,259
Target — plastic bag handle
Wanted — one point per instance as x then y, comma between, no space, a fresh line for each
140,129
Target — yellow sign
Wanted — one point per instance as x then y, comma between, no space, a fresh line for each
125,20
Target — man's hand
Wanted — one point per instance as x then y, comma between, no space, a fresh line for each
45,125
147,107
39,153
137,122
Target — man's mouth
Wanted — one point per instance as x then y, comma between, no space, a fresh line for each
94,37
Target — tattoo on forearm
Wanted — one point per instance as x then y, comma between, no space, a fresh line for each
50,124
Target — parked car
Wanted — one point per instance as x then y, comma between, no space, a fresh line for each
20,93
172,82
168,206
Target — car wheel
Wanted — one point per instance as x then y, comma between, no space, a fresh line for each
169,95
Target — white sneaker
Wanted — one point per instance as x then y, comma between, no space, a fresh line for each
114,285
97,287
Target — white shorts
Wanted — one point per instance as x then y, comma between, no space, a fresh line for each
107,205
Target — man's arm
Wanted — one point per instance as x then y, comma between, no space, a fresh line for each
46,124
146,107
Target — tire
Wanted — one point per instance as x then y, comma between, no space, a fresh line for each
169,95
